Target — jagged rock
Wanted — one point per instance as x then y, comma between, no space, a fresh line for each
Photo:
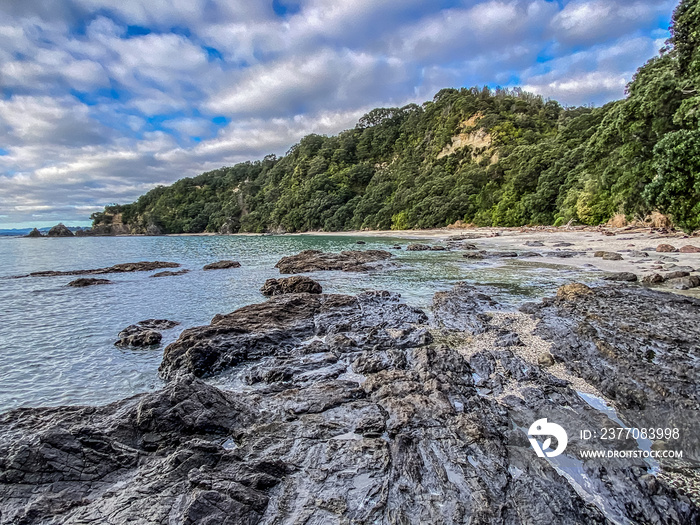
464,308
315,260
135,335
653,278
170,274
60,230
143,266
621,276
417,248
34,233
509,339
144,333
689,249
666,248
281,324
83,282
222,265
386,428
294,284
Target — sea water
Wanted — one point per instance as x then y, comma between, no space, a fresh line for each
57,342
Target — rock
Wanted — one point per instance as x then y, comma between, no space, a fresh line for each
608,256
573,291
295,284
135,335
474,255
342,409
675,275
621,276
83,282
689,249
60,230
464,308
666,248
158,324
562,244
396,247
222,265
438,248
638,254
529,254
169,273
509,339
534,243
360,242
545,359
34,233
144,333
143,266
563,254
503,254
683,283
417,247
315,260
282,323
653,278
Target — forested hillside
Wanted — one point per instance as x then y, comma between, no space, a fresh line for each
488,157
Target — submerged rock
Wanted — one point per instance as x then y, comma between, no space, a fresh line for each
143,266
222,265
417,248
170,274
88,281
316,260
294,284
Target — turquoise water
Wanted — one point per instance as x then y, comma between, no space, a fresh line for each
57,342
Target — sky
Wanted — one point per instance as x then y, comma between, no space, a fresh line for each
100,101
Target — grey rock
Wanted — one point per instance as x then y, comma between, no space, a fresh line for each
417,248
222,265
170,274
145,333
294,284
464,308
60,230
683,283
142,266
88,281
316,260
621,276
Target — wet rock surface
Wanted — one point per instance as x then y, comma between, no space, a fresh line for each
294,284
142,266
88,281
168,273
352,409
222,265
144,333
316,260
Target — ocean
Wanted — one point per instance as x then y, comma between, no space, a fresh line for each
57,342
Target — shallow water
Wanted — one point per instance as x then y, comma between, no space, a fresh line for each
57,343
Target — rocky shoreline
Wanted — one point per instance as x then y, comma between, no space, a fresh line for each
328,408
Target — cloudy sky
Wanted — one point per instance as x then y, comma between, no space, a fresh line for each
102,100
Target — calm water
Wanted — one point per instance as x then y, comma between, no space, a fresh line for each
57,342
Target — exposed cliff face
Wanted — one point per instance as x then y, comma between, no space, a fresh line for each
342,409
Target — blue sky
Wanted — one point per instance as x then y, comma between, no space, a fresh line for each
101,101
